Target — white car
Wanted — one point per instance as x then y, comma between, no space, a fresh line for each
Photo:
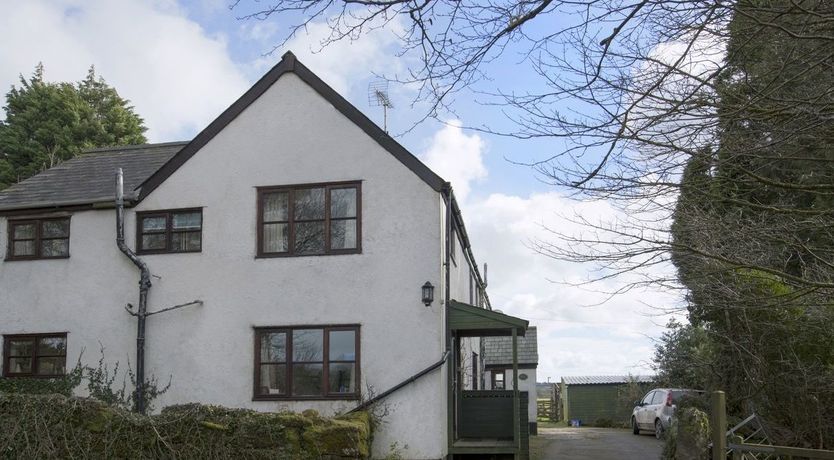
655,411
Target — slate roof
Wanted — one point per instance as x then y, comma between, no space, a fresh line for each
605,379
89,178
498,351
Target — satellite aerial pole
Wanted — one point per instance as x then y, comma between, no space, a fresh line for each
378,96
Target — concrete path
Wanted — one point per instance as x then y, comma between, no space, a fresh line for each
593,444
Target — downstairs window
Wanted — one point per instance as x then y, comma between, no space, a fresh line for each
307,362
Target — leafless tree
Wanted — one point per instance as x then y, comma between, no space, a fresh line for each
709,124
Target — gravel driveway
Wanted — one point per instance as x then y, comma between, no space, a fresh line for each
593,444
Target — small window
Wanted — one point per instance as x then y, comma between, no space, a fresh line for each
453,249
307,362
497,379
169,231
309,220
34,355
39,239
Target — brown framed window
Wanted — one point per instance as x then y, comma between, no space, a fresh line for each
169,231
35,355
303,220
39,239
498,379
307,362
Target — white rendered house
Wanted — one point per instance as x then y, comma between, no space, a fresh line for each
307,234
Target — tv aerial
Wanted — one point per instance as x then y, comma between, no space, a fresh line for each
378,97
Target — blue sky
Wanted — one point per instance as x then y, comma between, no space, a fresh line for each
182,63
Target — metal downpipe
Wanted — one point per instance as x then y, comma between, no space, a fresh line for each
144,287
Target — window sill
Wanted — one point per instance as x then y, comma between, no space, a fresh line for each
25,259
351,397
290,256
33,376
153,253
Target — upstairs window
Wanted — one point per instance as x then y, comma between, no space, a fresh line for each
35,355
309,220
39,239
307,362
169,231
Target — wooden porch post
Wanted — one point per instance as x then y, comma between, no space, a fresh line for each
516,420
718,422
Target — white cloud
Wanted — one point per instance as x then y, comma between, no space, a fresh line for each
347,65
176,75
457,157
576,336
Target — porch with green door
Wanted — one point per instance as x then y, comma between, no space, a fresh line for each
485,422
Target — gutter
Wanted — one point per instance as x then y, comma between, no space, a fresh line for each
144,287
467,246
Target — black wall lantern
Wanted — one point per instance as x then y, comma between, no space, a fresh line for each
428,294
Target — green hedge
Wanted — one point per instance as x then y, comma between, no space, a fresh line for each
55,426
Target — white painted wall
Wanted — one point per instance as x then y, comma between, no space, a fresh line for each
289,136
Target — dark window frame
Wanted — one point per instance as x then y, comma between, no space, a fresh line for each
325,362
38,223
168,232
291,221
474,370
494,381
34,357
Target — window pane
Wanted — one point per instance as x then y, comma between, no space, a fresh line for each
276,238
187,220
273,379
23,232
307,345
153,241
273,346
186,241
343,234
309,204
24,248
343,202
342,377
20,365
52,346
20,347
152,224
55,248
276,206
342,346
306,379
51,366
309,237
55,228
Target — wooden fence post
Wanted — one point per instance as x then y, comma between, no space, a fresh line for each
718,424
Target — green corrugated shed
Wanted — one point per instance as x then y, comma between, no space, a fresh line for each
597,397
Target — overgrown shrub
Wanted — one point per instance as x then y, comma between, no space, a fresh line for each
54,426
688,437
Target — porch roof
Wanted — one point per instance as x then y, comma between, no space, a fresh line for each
471,321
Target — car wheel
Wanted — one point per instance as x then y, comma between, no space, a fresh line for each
658,429
634,428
